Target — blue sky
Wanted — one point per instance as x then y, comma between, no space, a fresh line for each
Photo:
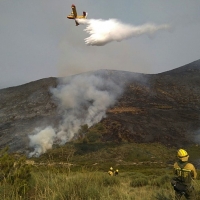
38,41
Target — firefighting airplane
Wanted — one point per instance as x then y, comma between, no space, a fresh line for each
74,15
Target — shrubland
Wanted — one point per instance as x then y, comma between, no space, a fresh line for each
78,170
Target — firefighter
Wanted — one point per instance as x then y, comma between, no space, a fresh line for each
184,173
111,172
116,172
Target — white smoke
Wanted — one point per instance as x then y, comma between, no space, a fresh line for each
82,99
104,31
42,141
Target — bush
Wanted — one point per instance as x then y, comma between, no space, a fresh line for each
93,136
160,181
138,182
110,181
162,196
76,188
14,171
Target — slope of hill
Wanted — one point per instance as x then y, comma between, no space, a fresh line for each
162,108
22,109
165,109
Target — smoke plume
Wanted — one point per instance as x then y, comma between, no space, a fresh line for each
104,31
41,141
82,99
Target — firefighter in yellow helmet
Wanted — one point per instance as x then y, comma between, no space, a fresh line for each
116,172
111,172
184,172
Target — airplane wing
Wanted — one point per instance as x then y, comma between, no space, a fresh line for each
74,15
74,10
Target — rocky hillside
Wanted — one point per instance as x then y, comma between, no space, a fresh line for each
165,109
24,108
162,108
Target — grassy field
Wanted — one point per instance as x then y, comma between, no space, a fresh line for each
103,155
50,184
78,171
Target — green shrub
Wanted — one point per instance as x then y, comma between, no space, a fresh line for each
138,182
14,171
160,181
87,186
163,196
198,195
99,127
93,193
93,136
110,181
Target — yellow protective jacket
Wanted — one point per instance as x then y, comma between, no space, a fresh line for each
181,169
110,172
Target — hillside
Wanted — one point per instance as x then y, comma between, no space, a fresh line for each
164,109
152,108
22,109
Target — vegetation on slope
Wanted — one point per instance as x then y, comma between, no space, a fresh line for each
78,170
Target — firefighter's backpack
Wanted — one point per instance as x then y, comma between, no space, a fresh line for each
183,179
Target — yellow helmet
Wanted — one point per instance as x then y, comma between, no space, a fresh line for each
182,154
117,170
111,168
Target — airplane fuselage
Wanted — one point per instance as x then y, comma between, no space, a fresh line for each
74,15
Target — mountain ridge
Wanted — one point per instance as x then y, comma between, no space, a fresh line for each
160,107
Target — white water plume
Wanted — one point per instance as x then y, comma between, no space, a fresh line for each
82,99
104,31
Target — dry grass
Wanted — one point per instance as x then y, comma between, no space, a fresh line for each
140,177
51,184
